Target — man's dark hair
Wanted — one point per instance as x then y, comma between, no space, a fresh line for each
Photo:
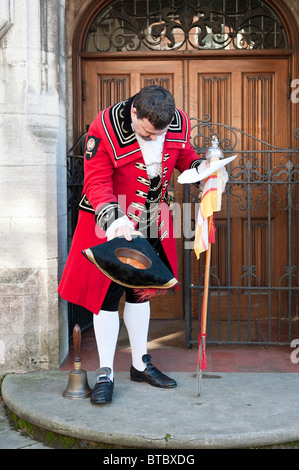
156,104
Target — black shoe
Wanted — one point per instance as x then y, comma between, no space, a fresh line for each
103,389
151,375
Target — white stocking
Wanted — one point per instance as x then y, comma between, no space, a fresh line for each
106,328
136,319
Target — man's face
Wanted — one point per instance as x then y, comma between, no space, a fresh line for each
144,128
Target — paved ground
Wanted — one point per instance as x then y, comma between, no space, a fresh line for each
249,399
12,439
234,410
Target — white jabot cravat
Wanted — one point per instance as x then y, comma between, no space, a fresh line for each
152,154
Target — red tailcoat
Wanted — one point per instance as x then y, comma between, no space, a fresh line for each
116,183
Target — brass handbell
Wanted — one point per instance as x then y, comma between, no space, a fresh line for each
77,384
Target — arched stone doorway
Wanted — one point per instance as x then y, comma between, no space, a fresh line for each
232,61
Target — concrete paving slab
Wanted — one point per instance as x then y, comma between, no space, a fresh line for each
235,410
12,439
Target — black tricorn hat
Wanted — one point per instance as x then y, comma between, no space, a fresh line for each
132,264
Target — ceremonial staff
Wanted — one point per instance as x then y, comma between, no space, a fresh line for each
201,357
213,177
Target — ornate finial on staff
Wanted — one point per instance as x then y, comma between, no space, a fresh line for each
214,150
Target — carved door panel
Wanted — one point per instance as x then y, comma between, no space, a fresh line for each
108,82
250,95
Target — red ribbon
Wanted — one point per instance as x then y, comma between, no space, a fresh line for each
202,350
212,233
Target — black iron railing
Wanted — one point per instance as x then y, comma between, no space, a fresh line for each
254,283
75,176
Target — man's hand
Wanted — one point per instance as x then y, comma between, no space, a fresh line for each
124,231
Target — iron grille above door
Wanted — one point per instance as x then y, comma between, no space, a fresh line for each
185,25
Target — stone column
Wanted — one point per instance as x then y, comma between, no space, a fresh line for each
33,239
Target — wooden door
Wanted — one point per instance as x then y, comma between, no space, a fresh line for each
108,82
250,95
247,94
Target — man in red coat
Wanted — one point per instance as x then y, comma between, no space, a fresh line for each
131,151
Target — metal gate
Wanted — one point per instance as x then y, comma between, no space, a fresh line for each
252,308
279,183
75,176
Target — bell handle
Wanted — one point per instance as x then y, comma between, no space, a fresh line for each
77,343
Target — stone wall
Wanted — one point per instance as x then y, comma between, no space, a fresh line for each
33,321
25,345
294,8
